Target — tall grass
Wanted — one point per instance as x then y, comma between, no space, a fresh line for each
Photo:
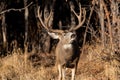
94,64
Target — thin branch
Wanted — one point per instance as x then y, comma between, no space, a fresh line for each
109,24
13,9
84,40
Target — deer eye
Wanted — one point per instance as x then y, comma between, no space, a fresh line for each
73,36
64,34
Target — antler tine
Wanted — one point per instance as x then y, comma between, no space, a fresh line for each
48,18
47,22
79,17
39,17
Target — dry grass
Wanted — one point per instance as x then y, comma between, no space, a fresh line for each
95,64
19,67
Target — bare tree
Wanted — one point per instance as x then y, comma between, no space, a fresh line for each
26,14
101,17
4,29
107,14
44,37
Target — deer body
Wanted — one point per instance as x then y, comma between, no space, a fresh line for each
67,58
67,52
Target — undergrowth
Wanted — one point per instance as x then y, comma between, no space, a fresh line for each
95,63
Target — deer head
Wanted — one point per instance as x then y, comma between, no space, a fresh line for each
68,35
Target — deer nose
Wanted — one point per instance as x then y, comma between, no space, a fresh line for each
73,36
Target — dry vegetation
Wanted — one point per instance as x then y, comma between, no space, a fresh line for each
94,64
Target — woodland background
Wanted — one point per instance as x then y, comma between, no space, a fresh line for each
27,51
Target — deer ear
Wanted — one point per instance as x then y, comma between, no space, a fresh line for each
53,35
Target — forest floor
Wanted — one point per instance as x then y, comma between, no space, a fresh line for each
95,64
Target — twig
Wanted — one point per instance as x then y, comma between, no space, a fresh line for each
109,25
84,40
13,9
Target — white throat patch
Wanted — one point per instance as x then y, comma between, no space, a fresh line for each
67,46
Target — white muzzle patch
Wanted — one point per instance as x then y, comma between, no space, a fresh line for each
67,46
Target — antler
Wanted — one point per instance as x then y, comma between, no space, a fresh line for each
81,18
46,20
45,24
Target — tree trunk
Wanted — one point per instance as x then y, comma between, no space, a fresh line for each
44,40
26,21
26,13
4,33
101,17
109,26
46,46
114,12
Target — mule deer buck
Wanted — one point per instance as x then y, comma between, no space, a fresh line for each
67,49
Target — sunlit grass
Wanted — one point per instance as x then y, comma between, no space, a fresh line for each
94,64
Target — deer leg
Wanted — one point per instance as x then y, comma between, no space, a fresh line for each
60,72
73,73
63,73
